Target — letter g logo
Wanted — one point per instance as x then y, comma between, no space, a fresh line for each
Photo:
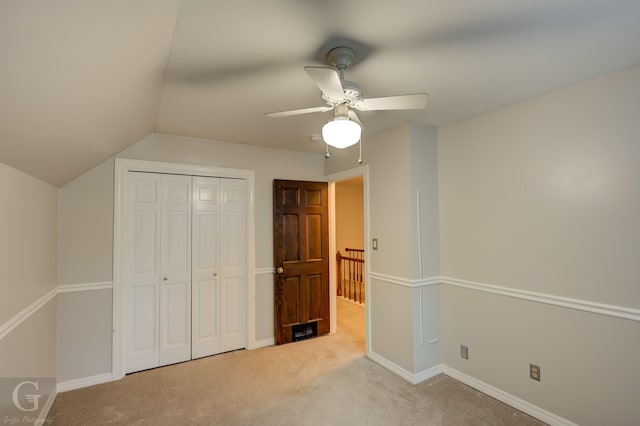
33,399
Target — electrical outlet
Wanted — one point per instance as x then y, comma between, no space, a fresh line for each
464,352
534,372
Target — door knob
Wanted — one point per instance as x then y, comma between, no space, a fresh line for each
280,270
164,279
215,274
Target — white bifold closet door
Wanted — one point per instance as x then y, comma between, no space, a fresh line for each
159,270
185,280
218,266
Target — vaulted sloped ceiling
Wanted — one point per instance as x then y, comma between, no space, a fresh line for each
79,80
82,79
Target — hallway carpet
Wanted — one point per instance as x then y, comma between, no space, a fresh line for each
322,381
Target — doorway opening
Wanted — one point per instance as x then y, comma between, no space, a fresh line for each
349,257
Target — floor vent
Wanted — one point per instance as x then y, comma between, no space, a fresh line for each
304,331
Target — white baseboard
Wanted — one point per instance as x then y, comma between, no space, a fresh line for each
413,378
507,398
263,343
84,382
427,374
500,395
42,417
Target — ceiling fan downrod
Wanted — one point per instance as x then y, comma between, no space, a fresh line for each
341,58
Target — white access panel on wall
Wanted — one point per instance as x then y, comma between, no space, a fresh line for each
218,265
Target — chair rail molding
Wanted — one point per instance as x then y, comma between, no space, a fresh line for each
73,288
549,299
26,313
405,282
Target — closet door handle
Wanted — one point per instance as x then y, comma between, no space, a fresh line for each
215,274
165,279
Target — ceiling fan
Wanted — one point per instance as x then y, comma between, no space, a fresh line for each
343,96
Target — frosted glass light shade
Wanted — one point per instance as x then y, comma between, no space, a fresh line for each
341,132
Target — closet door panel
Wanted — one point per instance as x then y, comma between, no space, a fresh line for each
232,314
175,247
144,194
205,267
233,264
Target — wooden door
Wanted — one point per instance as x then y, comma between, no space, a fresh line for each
301,254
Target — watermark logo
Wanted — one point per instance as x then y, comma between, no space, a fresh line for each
33,399
23,399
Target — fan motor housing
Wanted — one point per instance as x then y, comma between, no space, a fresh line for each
341,57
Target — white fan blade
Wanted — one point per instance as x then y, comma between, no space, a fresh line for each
328,80
354,117
298,111
417,101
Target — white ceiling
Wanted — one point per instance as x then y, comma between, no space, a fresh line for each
80,80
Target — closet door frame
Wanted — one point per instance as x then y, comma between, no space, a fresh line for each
122,169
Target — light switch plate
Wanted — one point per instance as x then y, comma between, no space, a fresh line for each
374,244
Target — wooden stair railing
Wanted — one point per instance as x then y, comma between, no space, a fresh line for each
350,275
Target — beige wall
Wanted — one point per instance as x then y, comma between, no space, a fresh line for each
426,246
84,334
387,155
85,228
85,255
425,216
542,196
402,162
28,229
550,187
28,243
349,199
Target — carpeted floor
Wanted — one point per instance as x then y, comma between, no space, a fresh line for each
323,381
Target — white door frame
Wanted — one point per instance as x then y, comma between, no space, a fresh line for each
332,179
122,168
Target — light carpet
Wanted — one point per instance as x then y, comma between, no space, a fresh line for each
322,381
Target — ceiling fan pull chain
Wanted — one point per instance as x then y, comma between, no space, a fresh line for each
326,153
360,147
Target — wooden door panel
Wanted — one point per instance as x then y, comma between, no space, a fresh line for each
289,196
314,237
290,312
313,197
301,252
291,231
315,299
